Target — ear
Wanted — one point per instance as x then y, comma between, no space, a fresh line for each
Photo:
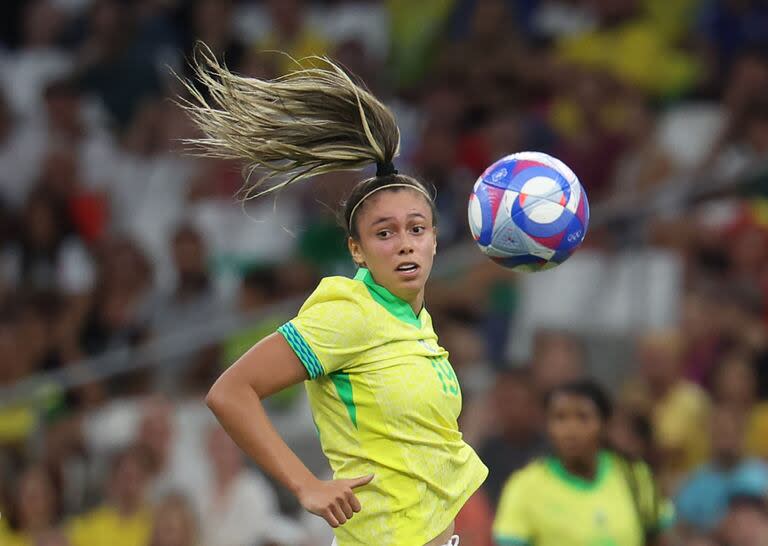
356,250
434,248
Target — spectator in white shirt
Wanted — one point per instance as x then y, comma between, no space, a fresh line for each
174,523
40,60
240,507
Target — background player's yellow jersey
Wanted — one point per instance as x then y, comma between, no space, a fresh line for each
385,401
544,505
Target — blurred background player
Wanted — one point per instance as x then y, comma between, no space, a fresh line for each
582,493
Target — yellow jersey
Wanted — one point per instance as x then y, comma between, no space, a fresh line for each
386,401
105,525
544,505
11,538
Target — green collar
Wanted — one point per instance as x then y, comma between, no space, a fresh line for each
400,309
603,465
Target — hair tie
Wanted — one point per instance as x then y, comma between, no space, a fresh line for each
385,168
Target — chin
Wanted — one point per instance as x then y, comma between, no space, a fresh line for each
417,283
407,289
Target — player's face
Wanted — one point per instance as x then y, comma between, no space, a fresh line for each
397,242
574,427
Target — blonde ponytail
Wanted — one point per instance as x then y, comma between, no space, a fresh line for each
311,121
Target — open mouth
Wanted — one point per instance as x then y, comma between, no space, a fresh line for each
407,268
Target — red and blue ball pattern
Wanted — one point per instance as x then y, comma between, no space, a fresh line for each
528,212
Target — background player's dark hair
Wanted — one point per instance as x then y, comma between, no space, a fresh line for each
585,388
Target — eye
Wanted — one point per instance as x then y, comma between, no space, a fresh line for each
383,234
418,229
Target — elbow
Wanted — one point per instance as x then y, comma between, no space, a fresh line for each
231,390
215,397
224,393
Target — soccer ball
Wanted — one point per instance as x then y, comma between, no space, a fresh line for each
528,212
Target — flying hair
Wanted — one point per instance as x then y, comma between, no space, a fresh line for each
311,121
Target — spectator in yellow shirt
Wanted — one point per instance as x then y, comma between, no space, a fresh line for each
291,34
635,44
55,537
678,409
124,519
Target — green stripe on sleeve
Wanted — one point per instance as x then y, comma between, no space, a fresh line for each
302,349
511,541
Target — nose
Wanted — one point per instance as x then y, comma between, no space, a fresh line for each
406,245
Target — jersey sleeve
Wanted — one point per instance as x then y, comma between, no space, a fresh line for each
512,526
327,335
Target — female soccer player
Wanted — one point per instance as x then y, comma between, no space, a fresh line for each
383,395
582,495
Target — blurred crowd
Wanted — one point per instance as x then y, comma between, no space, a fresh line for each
112,238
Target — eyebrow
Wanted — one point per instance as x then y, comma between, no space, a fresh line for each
391,218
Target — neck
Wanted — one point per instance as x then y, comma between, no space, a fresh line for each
726,461
191,284
158,462
35,526
127,508
740,404
582,467
659,389
417,303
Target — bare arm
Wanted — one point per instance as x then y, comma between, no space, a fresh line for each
235,399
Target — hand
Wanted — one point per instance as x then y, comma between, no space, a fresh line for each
333,500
